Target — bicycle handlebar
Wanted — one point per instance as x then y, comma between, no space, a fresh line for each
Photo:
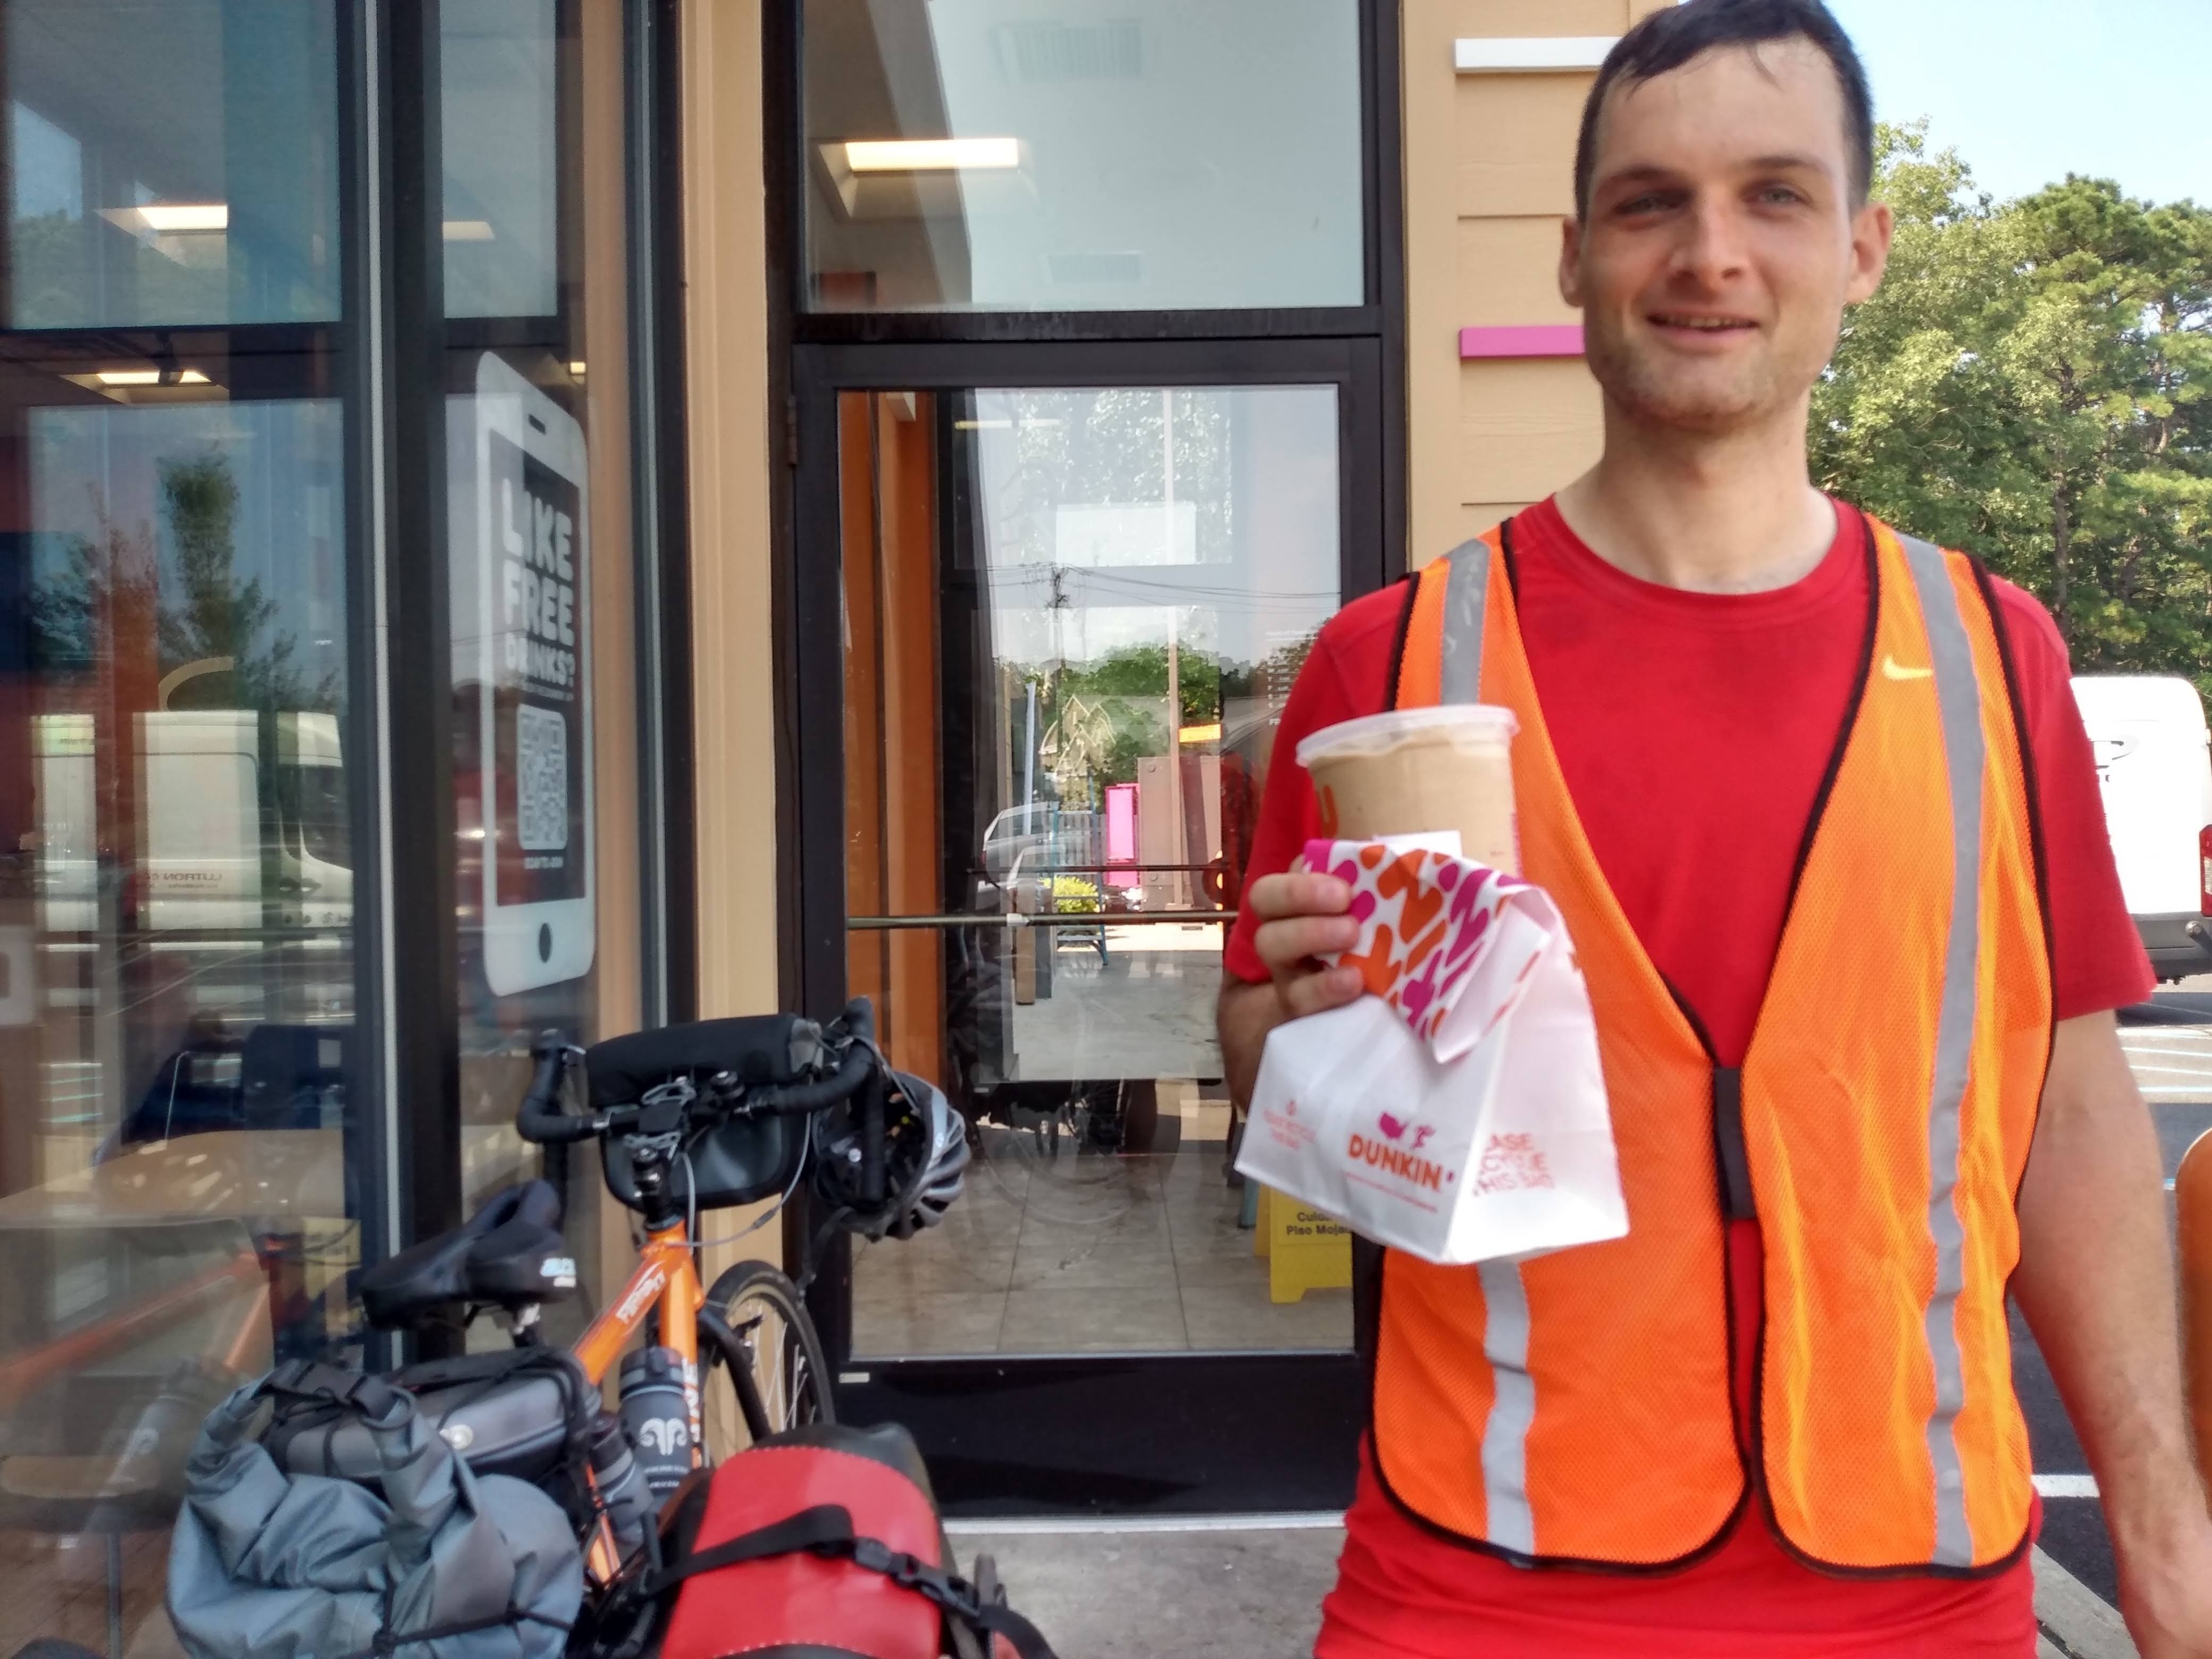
540,1118
841,1085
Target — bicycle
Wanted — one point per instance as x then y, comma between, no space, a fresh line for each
715,1130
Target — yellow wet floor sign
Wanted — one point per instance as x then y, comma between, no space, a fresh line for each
1305,1250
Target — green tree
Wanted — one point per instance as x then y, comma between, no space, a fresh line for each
217,615
2031,384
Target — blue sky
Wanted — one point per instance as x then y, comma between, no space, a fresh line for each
2030,90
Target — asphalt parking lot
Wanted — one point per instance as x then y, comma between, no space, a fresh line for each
2169,1043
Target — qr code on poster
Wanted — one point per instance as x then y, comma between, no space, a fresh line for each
541,783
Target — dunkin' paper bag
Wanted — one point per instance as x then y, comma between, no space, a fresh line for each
1458,1111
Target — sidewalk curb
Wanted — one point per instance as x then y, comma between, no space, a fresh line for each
2077,1622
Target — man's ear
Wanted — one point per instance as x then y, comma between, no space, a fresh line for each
1570,261
1873,228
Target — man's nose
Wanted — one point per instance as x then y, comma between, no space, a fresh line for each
1711,250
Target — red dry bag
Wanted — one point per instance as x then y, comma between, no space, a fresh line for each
824,1542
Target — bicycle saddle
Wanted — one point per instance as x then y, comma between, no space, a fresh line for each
510,1253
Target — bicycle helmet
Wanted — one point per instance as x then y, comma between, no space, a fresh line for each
924,1159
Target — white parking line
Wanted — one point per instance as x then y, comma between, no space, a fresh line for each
2066,1485
1033,1526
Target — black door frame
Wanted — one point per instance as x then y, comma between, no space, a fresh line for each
1065,1443
1189,1433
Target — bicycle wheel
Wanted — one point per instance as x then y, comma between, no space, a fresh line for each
762,1311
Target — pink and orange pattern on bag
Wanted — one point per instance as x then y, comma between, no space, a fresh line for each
1423,920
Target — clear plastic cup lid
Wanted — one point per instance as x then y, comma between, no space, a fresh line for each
1483,722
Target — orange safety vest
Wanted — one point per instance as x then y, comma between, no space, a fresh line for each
1577,1408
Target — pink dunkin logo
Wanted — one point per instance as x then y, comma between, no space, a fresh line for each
1404,1162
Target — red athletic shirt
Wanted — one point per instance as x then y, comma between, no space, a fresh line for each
1692,729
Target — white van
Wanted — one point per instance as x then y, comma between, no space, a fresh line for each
2154,767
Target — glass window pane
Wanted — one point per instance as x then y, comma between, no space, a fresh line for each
539,555
1145,154
171,164
184,1173
497,107
1065,709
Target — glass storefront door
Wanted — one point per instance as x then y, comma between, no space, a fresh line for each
1072,618
1046,622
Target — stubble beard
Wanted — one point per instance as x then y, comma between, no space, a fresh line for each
1701,404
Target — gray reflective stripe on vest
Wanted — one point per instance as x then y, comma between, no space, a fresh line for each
1512,1524
1959,698
1466,592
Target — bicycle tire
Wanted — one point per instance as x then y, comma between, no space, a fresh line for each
756,1301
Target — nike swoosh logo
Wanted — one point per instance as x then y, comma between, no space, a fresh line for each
1893,670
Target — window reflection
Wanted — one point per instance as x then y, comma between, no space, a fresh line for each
497,107
977,154
182,1175
185,1181
170,164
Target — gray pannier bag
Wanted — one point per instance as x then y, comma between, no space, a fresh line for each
445,1565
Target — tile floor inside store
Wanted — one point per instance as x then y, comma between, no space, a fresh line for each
1086,1253
57,1587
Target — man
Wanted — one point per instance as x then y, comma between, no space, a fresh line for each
1789,774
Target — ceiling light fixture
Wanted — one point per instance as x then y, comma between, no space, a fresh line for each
186,215
169,218
932,154
468,230
150,377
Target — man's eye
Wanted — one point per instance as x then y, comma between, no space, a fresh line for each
1642,205
1780,194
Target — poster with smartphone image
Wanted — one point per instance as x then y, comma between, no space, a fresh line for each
534,709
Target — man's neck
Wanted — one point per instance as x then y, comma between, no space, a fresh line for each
1733,513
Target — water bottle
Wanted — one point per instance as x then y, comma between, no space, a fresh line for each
621,1485
655,1417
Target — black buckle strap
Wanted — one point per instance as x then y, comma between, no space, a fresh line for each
388,1643
371,1396
827,1530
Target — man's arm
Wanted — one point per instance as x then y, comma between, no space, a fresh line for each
2096,1281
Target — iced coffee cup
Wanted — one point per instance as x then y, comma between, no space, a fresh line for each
1413,771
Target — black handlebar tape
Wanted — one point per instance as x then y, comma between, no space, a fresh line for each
539,1119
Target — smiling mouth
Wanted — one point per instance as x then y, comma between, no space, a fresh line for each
1702,324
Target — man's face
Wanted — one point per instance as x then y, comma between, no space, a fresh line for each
1720,243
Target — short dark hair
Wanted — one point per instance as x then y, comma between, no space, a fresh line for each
1667,38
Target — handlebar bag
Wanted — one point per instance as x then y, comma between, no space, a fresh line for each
437,1565
740,1161
821,1543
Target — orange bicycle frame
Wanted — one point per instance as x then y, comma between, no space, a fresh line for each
665,1286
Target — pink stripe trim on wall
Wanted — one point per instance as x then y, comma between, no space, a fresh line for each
1523,340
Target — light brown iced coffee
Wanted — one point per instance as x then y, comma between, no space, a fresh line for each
1413,770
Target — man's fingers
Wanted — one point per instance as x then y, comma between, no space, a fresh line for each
1298,893
1315,994
1283,945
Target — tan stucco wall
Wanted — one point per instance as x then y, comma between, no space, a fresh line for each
733,634
1489,175
732,646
